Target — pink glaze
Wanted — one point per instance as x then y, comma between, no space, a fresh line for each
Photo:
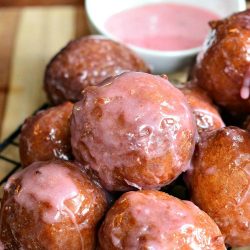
58,204
161,26
1,245
245,89
50,184
163,222
131,122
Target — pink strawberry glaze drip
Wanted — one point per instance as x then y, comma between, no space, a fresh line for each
50,184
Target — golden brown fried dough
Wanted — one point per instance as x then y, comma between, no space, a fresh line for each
87,61
220,182
46,135
206,114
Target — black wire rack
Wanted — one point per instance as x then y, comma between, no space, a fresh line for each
9,152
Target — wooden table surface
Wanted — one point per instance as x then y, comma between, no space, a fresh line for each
30,36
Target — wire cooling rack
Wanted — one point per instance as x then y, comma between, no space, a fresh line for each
9,153
9,157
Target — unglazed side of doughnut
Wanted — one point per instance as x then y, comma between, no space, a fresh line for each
220,182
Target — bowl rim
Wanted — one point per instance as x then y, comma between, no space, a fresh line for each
150,52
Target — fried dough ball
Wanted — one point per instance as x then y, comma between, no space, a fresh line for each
223,67
220,182
206,114
156,220
87,61
51,205
136,131
46,135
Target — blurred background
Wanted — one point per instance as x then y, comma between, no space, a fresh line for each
31,32
38,2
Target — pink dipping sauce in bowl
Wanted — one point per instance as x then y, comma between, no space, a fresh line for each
161,26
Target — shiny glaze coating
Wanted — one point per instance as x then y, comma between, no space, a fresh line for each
51,205
136,132
87,61
206,114
223,67
46,135
156,220
220,182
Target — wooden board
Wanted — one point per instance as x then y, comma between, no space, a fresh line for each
29,38
10,3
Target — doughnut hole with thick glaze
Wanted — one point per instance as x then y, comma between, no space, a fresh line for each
51,205
136,132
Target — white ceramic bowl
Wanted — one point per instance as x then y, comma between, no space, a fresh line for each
160,61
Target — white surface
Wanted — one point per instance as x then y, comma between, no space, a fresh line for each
160,61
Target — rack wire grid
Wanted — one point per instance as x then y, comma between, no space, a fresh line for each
9,153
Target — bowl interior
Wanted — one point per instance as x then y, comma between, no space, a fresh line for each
98,10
